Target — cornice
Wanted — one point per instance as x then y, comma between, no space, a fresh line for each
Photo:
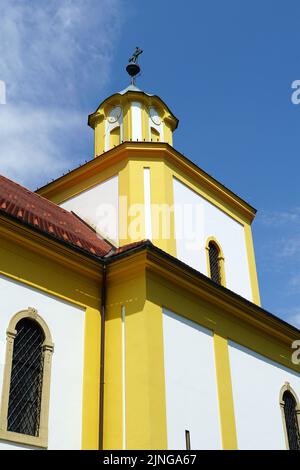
148,259
150,151
31,239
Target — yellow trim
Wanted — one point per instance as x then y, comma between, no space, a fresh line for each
145,383
252,265
127,121
225,396
91,180
145,122
99,140
162,196
145,391
221,259
91,380
131,203
146,152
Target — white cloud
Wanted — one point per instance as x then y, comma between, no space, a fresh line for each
33,142
279,218
55,56
291,247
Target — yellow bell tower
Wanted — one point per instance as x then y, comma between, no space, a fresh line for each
131,115
138,186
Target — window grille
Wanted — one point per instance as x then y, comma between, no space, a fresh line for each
26,379
215,272
291,421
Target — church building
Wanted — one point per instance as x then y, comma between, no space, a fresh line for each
130,313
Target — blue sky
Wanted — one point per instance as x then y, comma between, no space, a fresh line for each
224,68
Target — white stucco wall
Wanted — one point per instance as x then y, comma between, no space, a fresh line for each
136,120
191,391
98,206
256,383
66,324
196,219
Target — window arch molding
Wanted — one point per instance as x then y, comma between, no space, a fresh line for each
47,350
221,258
287,388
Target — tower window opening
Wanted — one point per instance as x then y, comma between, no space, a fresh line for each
114,137
155,135
214,262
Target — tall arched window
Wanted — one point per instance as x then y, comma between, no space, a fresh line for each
25,394
25,390
215,261
291,417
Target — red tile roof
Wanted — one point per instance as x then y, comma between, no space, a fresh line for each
45,216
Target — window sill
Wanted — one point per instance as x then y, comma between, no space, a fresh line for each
15,437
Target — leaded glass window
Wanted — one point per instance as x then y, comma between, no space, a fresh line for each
26,379
291,420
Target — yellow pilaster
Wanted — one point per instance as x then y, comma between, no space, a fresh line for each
113,388
91,380
145,123
252,264
135,410
99,141
162,200
131,203
145,384
127,127
225,396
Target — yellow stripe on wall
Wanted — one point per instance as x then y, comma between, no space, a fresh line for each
224,385
91,380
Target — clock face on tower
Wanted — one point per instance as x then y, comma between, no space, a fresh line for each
114,114
155,118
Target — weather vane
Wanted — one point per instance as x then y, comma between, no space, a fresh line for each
133,68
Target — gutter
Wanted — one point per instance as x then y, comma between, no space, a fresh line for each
102,357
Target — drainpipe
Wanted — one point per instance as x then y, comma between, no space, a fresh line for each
102,352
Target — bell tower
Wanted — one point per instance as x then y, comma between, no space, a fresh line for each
138,186
131,115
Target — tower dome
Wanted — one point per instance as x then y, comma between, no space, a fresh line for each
131,115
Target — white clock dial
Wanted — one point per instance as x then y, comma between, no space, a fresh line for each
154,116
114,114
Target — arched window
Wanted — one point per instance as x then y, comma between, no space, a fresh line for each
25,390
215,261
25,394
291,417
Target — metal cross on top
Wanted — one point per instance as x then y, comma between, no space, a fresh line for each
133,68
134,57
